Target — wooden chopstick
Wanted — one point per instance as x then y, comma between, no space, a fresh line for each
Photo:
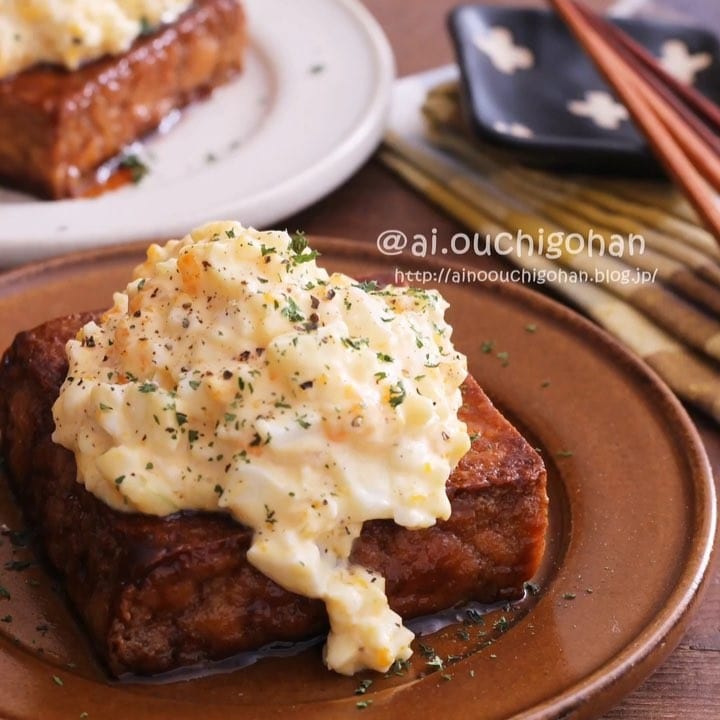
696,101
650,72
704,119
673,141
689,130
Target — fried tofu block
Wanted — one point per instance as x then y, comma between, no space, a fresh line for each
159,593
57,126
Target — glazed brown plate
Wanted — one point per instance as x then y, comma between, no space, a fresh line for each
629,545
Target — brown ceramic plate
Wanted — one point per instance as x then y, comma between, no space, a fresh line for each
633,520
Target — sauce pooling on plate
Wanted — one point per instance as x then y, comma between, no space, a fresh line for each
236,375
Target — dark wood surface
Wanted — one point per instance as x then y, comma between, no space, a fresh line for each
688,684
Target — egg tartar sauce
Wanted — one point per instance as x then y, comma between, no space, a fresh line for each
235,375
71,32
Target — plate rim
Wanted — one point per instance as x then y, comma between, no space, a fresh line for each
659,637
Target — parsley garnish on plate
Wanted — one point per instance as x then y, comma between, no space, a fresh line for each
138,169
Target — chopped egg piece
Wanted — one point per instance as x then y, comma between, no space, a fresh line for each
235,375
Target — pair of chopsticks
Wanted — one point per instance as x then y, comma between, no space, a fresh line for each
680,124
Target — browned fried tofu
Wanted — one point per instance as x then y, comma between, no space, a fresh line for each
156,593
57,126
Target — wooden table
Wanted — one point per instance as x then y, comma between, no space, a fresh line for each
688,684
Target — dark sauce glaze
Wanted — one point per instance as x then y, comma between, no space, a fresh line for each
115,173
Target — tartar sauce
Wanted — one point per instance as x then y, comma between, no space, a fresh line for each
71,32
235,375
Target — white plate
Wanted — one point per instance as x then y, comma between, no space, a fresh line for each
307,111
